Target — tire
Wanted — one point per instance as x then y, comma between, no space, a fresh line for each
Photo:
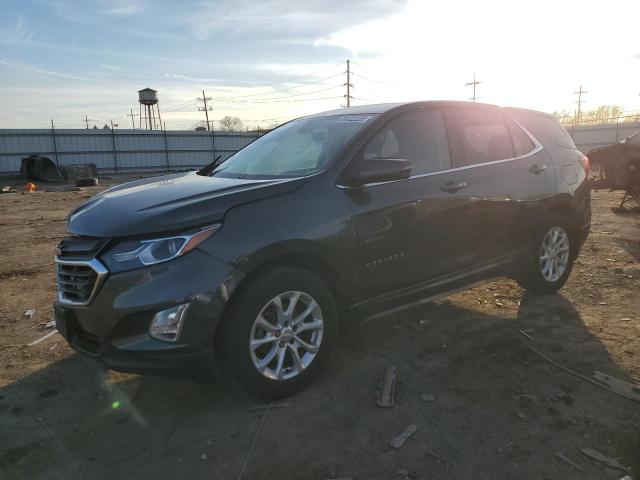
86,182
543,276
244,322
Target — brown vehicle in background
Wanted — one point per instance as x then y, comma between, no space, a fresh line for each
619,168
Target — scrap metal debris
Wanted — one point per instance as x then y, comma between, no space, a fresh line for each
526,335
604,459
568,461
270,406
399,441
253,442
30,313
621,387
386,399
620,168
434,455
41,339
633,396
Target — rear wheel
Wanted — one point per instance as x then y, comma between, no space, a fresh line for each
549,263
278,332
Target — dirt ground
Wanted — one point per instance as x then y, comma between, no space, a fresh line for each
485,405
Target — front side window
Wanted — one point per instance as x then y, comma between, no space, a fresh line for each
299,148
418,136
483,134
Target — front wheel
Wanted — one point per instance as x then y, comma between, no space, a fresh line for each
278,332
549,263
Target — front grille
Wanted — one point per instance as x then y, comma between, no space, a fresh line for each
78,281
78,271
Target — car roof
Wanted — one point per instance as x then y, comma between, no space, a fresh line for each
526,110
380,108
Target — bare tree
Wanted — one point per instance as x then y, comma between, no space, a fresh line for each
564,116
603,114
231,124
599,115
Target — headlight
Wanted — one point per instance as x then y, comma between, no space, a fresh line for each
132,254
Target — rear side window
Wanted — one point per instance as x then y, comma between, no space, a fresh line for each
522,144
418,136
550,127
483,135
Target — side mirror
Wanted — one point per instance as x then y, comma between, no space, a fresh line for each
379,170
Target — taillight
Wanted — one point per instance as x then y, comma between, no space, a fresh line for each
584,161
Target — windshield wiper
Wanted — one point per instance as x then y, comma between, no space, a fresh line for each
208,169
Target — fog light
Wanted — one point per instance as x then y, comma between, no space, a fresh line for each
167,324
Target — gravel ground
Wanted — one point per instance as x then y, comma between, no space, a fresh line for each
486,406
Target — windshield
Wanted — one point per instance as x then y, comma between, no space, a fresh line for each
298,148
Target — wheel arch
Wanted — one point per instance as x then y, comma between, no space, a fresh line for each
315,262
564,208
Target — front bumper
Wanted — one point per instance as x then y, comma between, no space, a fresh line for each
113,328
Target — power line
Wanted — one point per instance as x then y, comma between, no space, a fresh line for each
279,90
359,75
177,108
268,100
303,99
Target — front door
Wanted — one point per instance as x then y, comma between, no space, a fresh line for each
414,230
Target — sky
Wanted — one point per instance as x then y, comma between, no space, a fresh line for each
272,60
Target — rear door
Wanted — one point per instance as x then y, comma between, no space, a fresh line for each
483,141
507,173
414,230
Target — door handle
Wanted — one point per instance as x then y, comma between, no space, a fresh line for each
452,187
537,169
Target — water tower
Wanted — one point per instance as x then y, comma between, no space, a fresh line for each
149,109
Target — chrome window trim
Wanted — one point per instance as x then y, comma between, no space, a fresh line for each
537,148
96,265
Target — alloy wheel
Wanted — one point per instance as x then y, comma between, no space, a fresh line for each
554,254
286,335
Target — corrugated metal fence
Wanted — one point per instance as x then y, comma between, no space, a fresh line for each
142,150
120,150
587,137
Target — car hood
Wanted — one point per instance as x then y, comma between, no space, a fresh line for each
169,203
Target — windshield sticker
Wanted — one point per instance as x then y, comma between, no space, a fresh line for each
354,118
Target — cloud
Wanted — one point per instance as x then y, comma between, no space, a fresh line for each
109,68
124,10
17,34
276,19
43,71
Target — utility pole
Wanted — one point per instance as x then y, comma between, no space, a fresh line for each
580,92
349,85
86,120
133,125
206,108
474,83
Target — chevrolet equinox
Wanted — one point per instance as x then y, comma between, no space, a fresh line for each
254,264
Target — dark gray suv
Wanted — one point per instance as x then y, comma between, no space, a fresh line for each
256,263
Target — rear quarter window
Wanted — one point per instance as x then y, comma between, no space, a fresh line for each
522,144
548,126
